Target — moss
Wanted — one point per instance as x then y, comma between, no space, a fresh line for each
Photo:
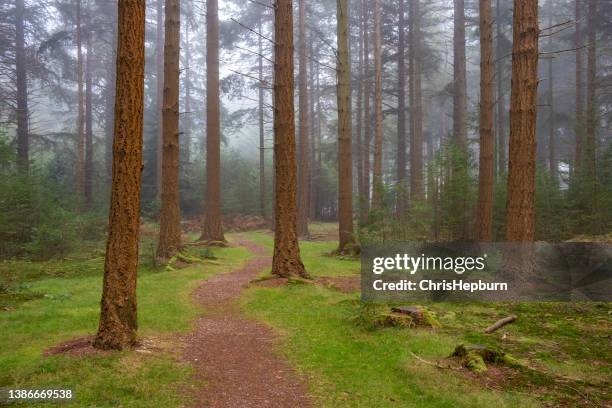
474,362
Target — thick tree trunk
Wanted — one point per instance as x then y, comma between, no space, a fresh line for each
459,78
520,212
89,168
579,121
212,227
416,108
484,214
260,113
378,127
367,116
159,64
118,324
590,143
501,98
345,162
170,214
286,260
23,139
304,155
80,134
401,113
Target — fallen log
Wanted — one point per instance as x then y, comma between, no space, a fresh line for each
500,323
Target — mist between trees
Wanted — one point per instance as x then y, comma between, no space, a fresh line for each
402,119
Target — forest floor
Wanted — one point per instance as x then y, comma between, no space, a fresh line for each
317,336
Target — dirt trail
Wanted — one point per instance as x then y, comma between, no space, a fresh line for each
232,355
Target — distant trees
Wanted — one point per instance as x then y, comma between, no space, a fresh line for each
170,214
520,205
212,226
286,260
416,104
23,142
378,111
118,321
80,133
303,154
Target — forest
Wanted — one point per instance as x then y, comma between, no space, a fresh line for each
190,191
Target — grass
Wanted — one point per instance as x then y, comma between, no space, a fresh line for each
350,364
51,302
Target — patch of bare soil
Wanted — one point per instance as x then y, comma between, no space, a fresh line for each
234,356
344,284
78,347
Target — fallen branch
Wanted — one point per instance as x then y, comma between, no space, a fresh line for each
500,323
437,365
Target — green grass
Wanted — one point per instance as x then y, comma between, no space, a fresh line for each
348,364
63,303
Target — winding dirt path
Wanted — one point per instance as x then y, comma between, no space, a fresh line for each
232,355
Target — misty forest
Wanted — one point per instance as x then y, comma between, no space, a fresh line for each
186,187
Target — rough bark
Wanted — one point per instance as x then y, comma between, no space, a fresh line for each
367,116
501,97
23,139
484,214
345,165
304,155
579,121
378,126
459,77
212,227
520,212
80,134
170,213
118,323
401,113
416,108
159,64
89,168
286,260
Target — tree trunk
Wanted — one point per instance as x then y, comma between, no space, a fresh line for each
520,212
501,98
159,63
579,121
378,128
286,260
88,125
459,78
553,165
304,155
80,135
170,214
260,112
23,139
358,142
484,214
590,145
416,108
312,198
187,114
212,227
118,324
367,116
345,162
401,113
